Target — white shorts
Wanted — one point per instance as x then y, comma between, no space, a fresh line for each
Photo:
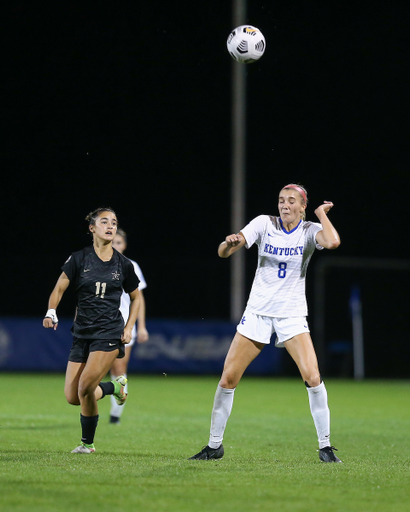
260,328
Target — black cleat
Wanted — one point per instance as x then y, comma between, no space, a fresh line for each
115,420
326,454
209,453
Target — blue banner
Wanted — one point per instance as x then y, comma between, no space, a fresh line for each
179,347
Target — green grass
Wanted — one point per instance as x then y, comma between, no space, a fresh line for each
270,444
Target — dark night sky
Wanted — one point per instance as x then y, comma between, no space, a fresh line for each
130,106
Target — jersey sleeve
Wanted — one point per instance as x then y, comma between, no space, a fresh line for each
254,230
143,284
131,280
315,227
70,267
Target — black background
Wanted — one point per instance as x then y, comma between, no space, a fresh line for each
130,107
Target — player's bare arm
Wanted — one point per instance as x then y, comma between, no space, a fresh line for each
132,318
61,286
142,333
328,238
231,244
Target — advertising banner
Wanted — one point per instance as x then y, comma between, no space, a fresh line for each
174,346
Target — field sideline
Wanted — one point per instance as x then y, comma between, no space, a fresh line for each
270,444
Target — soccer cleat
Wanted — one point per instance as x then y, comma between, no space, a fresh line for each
84,448
115,420
208,453
326,454
119,394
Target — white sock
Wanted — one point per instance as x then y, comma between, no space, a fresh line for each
117,410
220,413
320,413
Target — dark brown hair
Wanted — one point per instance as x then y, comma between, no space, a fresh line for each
92,216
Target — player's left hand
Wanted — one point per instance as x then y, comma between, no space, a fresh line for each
126,336
142,335
324,208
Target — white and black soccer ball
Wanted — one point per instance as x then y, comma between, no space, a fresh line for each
246,44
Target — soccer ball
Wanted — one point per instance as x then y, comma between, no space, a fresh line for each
246,44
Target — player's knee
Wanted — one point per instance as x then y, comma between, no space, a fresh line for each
228,381
312,379
71,398
85,389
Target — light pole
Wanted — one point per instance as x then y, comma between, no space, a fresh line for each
238,197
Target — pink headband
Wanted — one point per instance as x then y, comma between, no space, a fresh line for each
299,189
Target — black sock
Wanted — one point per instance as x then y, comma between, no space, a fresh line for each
88,426
107,388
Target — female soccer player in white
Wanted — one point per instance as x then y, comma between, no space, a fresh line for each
277,303
99,275
120,366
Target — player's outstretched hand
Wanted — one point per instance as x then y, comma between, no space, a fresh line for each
233,240
323,208
231,244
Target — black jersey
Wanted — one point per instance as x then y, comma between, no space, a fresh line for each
98,288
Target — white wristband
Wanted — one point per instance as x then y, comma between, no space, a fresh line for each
51,313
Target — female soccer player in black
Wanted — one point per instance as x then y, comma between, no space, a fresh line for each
99,274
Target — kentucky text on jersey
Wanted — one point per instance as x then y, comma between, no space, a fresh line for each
286,251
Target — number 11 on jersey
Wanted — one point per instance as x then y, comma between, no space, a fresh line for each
100,286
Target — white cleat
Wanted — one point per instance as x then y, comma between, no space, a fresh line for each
84,449
119,394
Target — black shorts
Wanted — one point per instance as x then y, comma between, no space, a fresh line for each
82,347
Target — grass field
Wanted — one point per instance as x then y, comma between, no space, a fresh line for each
270,444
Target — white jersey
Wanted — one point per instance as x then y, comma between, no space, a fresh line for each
278,289
125,298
